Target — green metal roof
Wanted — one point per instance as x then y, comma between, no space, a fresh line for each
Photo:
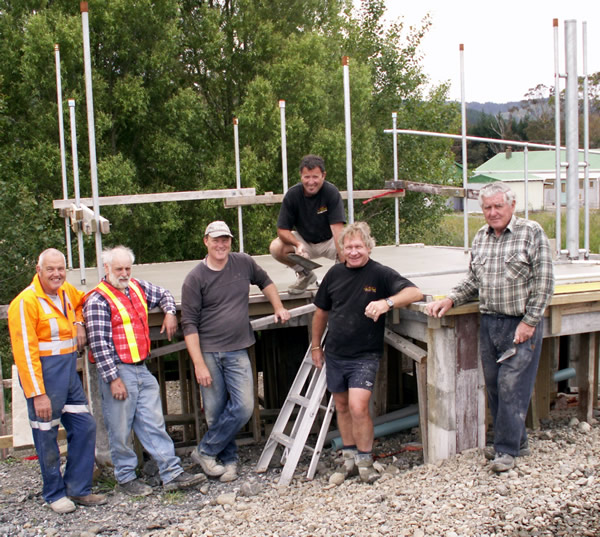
537,161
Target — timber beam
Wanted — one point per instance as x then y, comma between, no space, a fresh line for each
268,198
161,197
428,188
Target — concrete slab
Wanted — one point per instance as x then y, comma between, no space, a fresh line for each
435,269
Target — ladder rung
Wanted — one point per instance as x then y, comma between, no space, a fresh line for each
299,400
283,439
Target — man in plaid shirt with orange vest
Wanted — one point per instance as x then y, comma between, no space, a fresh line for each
116,316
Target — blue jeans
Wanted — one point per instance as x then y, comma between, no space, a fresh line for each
228,402
69,406
141,412
509,384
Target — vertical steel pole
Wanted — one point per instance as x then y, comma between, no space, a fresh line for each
284,169
558,180
572,138
75,160
63,162
238,180
463,111
586,146
395,142
349,180
526,182
91,133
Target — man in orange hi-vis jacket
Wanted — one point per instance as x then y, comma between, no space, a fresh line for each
46,330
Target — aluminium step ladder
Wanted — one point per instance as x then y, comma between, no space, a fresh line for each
309,404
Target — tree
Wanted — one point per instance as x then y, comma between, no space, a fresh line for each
170,75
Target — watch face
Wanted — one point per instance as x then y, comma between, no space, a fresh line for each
389,302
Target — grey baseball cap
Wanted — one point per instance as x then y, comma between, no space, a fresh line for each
218,228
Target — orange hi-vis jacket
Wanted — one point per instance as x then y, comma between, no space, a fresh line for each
129,319
39,328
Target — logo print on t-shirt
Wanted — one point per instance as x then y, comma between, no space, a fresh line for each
322,210
370,289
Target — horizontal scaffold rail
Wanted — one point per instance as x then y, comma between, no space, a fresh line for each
268,198
429,188
160,197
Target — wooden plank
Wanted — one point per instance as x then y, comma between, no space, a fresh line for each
167,349
380,391
431,188
3,430
271,199
255,420
467,381
161,197
555,320
264,322
421,370
405,346
6,441
585,369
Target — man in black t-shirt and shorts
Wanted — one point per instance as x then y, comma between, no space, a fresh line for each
352,301
315,209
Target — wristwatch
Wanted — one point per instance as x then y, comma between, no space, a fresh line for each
389,302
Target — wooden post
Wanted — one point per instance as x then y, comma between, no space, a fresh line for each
467,381
585,368
2,411
255,420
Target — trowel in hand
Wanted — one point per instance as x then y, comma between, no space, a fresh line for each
508,353
304,262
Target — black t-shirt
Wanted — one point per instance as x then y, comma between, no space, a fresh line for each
345,293
312,215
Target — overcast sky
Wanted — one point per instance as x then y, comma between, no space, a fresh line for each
509,44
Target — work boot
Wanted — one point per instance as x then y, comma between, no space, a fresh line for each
90,500
209,465
303,280
136,487
490,453
184,480
364,462
346,467
62,505
503,462
230,473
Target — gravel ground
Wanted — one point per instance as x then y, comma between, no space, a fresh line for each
553,492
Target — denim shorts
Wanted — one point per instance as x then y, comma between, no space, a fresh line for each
345,373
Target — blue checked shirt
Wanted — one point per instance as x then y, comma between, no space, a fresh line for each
512,274
96,312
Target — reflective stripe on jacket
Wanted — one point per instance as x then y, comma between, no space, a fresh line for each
39,328
129,319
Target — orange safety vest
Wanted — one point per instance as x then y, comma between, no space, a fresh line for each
39,328
129,319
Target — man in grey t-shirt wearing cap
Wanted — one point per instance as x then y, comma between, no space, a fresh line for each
217,331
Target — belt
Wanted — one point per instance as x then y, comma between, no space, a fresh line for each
141,362
503,316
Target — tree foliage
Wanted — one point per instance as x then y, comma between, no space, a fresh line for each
169,76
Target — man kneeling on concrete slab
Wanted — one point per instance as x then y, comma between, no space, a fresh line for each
352,301
116,316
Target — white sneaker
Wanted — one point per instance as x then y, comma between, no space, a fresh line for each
62,505
303,280
209,465
230,473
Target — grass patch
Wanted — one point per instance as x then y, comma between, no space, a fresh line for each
452,228
174,497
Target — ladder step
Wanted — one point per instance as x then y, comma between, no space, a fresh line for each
283,439
299,400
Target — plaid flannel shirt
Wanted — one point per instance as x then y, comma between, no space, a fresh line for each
512,274
96,312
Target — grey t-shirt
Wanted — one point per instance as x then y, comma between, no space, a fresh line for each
214,303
